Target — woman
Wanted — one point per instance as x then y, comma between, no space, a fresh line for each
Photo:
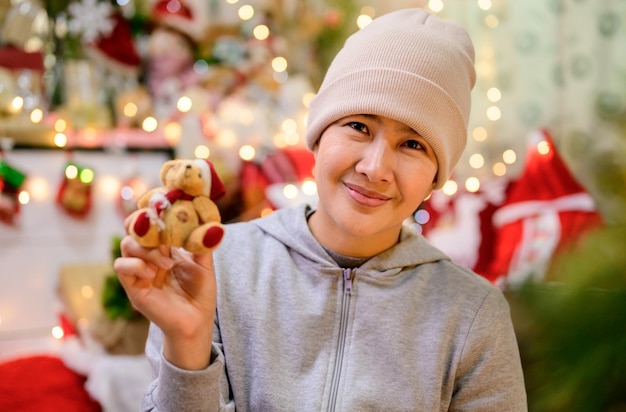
342,307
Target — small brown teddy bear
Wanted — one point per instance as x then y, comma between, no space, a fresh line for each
182,212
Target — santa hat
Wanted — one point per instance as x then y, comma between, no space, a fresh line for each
176,15
117,50
213,186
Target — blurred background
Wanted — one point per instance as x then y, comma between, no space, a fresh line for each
96,94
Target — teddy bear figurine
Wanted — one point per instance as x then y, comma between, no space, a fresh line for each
182,212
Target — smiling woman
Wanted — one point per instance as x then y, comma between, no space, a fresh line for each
293,311
371,173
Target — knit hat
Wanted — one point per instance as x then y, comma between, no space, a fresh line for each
407,65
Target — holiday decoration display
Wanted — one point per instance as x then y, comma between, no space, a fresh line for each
11,180
183,211
75,191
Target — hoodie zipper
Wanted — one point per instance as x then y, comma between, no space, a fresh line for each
341,341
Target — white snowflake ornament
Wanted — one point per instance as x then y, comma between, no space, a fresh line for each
91,19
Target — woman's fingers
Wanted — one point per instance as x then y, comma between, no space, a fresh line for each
159,257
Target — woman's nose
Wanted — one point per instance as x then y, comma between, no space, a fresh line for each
376,161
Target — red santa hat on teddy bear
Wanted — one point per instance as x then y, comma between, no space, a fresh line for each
213,186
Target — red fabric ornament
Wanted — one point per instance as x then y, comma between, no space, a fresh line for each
289,165
43,384
461,225
11,180
117,50
75,192
545,213
166,9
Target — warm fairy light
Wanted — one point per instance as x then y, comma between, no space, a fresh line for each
246,12
290,191
472,184
484,4
36,115
509,156
149,124
172,133
23,197
16,104
493,113
57,332
261,32
90,134
130,109
435,5
60,140
86,291
247,152
202,152
487,51
309,187
226,138
363,20
492,21
476,161
71,171
494,94
37,188
306,99
292,139
60,125
280,140
543,147
266,211
232,1
479,134
450,187
110,186
184,104
86,176
289,126
279,64
499,169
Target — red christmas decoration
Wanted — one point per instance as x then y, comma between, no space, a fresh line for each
11,180
75,192
545,213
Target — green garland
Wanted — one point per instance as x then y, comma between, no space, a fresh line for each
572,334
114,299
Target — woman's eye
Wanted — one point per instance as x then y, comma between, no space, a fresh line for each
413,144
358,126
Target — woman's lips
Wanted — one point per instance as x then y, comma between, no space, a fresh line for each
366,197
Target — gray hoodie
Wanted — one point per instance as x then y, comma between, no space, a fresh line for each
408,330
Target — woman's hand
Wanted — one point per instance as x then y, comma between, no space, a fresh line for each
176,291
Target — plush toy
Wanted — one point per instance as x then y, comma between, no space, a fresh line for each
183,211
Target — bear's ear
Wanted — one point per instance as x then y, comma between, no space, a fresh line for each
166,168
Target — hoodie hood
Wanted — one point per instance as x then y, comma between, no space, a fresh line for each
289,226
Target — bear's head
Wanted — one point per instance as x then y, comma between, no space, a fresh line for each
194,177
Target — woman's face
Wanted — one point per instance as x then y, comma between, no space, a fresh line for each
372,172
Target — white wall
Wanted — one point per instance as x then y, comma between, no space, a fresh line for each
45,238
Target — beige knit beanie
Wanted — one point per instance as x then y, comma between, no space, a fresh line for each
407,65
